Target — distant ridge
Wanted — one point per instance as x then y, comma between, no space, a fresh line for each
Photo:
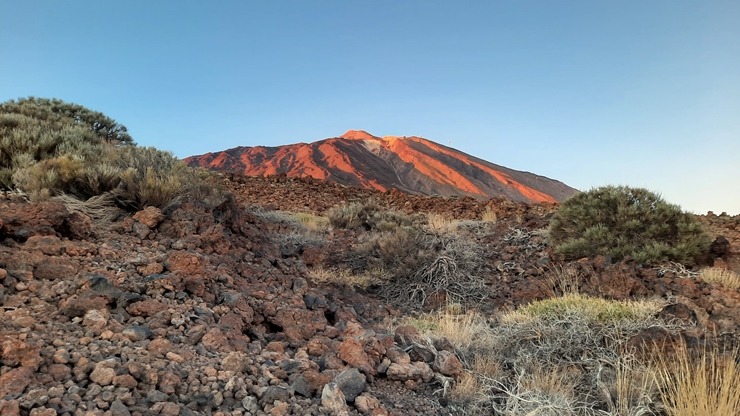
409,164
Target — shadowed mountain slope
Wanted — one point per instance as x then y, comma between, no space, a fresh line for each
410,164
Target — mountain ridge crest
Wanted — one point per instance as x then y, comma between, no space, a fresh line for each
406,163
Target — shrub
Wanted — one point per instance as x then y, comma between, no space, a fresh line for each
590,308
419,264
56,113
370,216
135,177
620,221
49,148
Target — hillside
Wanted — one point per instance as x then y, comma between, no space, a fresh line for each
410,164
245,309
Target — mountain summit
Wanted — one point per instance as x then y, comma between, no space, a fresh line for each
409,164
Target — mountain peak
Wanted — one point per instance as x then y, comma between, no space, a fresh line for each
357,135
410,164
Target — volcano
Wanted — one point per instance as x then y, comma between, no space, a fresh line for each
409,164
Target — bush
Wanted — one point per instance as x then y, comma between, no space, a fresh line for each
620,221
590,308
49,148
370,216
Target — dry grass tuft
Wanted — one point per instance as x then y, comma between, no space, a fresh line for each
440,223
723,277
489,215
563,280
699,383
463,330
470,393
346,277
538,393
312,222
628,387
101,208
303,220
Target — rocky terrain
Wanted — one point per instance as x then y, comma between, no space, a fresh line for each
410,164
199,312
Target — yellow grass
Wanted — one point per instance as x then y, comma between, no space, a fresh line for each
440,223
724,277
554,384
563,280
703,383
461,329
342,276
486,365
633,390
489,215
311,221
468,389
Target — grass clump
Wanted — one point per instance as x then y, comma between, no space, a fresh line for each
489,215
462,329
590,308
345,277
620,221
699,383
720,276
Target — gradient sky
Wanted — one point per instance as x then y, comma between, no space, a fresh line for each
642,93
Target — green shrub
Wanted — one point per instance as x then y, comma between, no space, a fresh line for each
49,148
620,221
370,216
590,308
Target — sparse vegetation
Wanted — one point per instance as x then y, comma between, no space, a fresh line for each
620,221
562,280
424,257
303,220
440,223
558,356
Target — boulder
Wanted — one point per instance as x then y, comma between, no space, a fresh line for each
351,382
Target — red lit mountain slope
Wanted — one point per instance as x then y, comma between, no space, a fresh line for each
410,164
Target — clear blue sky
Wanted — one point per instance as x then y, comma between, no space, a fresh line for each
643,93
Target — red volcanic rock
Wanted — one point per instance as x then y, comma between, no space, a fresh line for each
150,216
53,268
15,381
410,164
352,353
185,263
